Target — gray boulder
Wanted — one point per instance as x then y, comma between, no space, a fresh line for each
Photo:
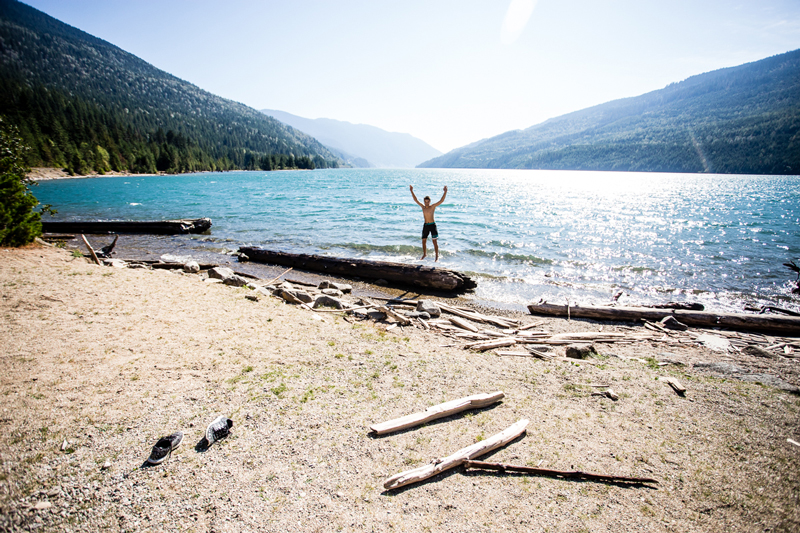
336,293
324,300
303,296
263,290
192,267
116,263
222,273
427,306
581,351
327,284
295,296
670,322
236,281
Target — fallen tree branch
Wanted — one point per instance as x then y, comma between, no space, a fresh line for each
301,283
91,250
463,324
458,458
270,282
404,320
500,467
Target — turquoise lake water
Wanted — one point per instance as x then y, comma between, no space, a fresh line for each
529,234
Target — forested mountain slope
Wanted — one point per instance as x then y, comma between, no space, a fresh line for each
84,104
739,120
362,145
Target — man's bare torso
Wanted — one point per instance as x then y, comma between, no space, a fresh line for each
427,212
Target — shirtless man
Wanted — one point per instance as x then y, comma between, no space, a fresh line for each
430,225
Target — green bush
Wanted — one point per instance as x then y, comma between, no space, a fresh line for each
19,223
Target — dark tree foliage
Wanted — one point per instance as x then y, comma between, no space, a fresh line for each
83,104
19,223
741,120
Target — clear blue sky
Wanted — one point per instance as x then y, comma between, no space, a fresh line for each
450,72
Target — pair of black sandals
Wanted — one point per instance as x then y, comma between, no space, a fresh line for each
216,431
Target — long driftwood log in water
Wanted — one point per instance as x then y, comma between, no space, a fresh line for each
146,227
441,279
785,325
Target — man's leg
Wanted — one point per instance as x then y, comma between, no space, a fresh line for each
436,248
424,248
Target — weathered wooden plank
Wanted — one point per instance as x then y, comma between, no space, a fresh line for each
489,345
737,321
675,384
437,411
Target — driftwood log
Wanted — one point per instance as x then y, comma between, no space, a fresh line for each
675,384
91,250
451,461
441,279
491,345
437,411
146,227
786,325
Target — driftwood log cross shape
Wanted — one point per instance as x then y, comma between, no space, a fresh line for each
466,455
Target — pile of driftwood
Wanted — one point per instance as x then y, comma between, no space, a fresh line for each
477,331
510,337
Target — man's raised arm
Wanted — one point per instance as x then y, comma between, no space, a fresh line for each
411,187
442,199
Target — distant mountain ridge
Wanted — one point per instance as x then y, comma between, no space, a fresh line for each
738,120
361,145
82,103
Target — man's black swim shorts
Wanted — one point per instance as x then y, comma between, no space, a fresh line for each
429,228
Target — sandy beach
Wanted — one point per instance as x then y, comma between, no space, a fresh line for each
100,362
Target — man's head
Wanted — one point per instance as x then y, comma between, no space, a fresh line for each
427,200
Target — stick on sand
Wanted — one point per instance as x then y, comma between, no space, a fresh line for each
437,411
452,461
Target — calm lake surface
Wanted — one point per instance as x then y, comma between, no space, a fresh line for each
558,235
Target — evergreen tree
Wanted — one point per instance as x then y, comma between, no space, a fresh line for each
19,223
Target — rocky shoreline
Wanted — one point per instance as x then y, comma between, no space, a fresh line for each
100,362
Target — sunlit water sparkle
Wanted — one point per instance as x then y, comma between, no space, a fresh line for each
557,235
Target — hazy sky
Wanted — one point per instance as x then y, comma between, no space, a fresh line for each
450,72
